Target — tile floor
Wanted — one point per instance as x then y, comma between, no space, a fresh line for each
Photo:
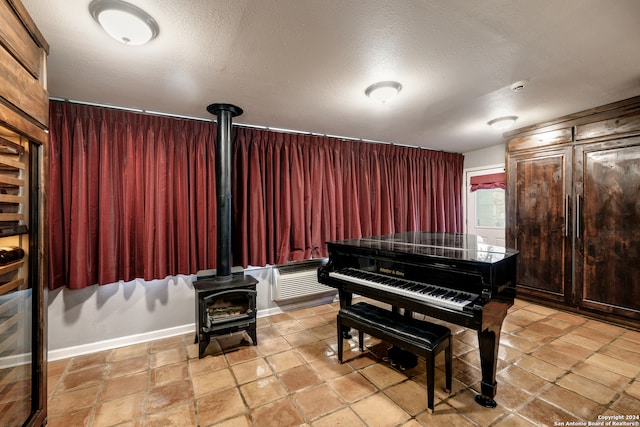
554,368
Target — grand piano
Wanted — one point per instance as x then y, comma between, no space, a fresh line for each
449,276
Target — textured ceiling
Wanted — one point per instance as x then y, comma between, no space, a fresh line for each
304,65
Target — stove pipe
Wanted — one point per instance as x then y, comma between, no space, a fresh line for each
224,152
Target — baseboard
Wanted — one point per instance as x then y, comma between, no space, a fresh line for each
94,347
297,305
79,350
64,353
15,360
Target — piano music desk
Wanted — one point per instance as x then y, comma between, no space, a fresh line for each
418,336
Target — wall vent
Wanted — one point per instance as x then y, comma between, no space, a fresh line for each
298,280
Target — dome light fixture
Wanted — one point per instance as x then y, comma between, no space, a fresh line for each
502,123
124,22
383,91
519,85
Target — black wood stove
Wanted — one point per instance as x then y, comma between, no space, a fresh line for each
224,307
225,299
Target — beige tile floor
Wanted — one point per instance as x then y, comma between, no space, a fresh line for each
554,368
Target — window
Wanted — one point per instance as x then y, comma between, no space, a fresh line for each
490,208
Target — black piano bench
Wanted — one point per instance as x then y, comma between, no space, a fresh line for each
418,336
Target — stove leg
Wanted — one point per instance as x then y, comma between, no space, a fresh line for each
203,343
252,333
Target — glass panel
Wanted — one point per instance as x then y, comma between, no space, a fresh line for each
490,212
227,307
15,357
16,296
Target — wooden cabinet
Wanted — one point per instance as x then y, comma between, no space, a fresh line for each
573,211
24,111
539,186
607,236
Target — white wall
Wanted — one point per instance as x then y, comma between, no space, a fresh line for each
99,317
102,317
485,157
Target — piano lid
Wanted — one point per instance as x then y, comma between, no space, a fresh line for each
458,246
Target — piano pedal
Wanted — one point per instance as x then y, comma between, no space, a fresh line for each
401,359
393,363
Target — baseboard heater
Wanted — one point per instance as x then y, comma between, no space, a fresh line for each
298,280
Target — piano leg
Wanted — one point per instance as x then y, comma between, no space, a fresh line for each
493,315
345,301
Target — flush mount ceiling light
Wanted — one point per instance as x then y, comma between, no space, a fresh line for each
519,85
502,123
383,91
124,22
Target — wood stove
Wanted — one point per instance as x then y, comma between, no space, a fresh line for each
224,307
225,300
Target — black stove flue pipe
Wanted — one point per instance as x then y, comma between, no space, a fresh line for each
224,152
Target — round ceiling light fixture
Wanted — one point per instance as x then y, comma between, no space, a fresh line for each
519,85
383,91
502,123
124,22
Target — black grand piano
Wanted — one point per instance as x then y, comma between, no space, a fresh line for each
449,276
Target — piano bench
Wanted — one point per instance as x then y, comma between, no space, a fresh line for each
418,336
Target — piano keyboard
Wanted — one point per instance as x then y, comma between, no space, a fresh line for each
435,295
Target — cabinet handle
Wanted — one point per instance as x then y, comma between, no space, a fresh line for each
578,216
566,216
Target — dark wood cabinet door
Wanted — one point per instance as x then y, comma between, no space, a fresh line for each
607,265
538,222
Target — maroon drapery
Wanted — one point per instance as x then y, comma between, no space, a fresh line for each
133,195
488,182
123,192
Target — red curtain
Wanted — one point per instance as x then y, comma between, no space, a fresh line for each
488,182
133,195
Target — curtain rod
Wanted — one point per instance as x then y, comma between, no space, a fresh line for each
273,129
